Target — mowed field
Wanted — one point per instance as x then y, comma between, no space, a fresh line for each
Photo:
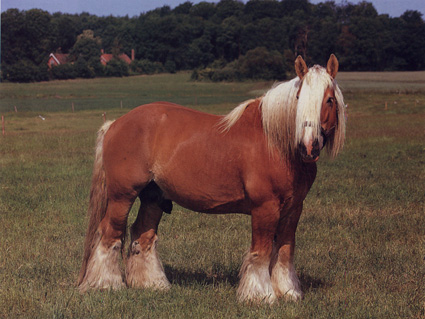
360,241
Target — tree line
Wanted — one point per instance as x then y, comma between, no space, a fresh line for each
224,40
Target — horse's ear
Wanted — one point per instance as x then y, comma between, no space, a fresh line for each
300,67
332,67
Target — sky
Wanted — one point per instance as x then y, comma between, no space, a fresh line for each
394,8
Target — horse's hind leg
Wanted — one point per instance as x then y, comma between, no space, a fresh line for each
144,269
284,278
103,269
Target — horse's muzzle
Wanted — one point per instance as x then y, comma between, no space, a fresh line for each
310,153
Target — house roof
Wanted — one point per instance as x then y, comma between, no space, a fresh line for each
106,57
60,58
125,58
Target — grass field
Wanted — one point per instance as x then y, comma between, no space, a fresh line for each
360,242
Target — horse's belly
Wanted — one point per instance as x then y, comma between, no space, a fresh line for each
212,192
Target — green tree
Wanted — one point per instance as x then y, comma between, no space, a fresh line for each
25,35
86,53
116,68
324,33
183,8
229,39
194,35
362,40
87,46
260,9
204,10
229,8
260,63
83,69
63,72
200,52
38,34
65,31
413,33
13,44
267,32
289,7
22,71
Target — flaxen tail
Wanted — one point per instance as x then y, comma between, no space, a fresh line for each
97,207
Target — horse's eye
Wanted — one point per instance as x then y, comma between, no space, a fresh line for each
330,100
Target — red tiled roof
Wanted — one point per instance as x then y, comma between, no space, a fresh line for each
60,58
124,57
106,57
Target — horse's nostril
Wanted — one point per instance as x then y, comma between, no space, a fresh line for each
303,149
311,154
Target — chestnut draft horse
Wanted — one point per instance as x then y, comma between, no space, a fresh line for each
257,160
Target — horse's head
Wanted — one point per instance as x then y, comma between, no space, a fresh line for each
317,117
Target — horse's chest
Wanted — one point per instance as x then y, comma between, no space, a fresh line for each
295,182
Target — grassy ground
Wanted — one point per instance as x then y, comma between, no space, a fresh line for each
360,242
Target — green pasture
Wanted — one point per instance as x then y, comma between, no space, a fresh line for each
129,92
360,241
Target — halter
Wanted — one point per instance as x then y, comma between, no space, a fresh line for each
325,134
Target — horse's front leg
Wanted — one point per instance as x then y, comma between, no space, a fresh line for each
283,276
255,282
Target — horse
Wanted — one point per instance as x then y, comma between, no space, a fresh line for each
260,160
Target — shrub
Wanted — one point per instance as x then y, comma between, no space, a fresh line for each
262,64
202,74
256,64
82,69
42,73
170,66
63,72
22,71
159,67
97,67
146,67
117,68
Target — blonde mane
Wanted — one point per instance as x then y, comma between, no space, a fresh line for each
230,119
284,115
